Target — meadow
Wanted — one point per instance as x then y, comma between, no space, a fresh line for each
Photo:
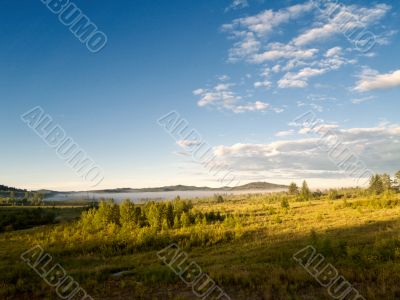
245,243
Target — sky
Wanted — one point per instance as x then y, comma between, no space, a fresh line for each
240,73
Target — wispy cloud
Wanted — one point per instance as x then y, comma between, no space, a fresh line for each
370,79
237,4
299,79
221,96
188,143
284,133
256,106
266,21
253,40
265,84
278,51
362,100
334,52
250,31
347,18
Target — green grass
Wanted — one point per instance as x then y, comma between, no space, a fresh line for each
249,256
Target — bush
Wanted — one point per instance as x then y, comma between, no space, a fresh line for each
285,203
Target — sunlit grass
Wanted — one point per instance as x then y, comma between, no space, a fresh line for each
249,254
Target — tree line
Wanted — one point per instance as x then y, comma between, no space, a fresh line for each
158,215
29,199
378,184
383,183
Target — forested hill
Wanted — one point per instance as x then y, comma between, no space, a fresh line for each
249,186
259,186
4,188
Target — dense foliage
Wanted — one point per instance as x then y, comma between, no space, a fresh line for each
12,219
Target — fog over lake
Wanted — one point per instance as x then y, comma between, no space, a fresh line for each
143,196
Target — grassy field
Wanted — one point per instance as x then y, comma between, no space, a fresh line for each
248,252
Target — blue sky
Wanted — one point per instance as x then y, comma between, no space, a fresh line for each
239,71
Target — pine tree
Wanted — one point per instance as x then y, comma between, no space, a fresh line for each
285,203
387,182
376,185
170,215
293,189
305,193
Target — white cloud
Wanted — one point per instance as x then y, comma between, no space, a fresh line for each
335,51
315,68
252,44
288,82
314,34
221,96
256,106
278,110
377,147
223,78
199,91
254,31
345,20
284,133
237,4
362,100
265,22
264,84
371,80
292,63
246,47
384,38
276,68
223,87
300,79
278,51
249,30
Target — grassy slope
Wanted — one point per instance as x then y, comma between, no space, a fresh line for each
361,242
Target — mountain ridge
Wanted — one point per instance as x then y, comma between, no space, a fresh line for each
249,186
259,185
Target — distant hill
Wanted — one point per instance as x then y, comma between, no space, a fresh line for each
5,191
177,188
250,186
4,188
171,188
259,186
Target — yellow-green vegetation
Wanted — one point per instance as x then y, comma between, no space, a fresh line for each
244,242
